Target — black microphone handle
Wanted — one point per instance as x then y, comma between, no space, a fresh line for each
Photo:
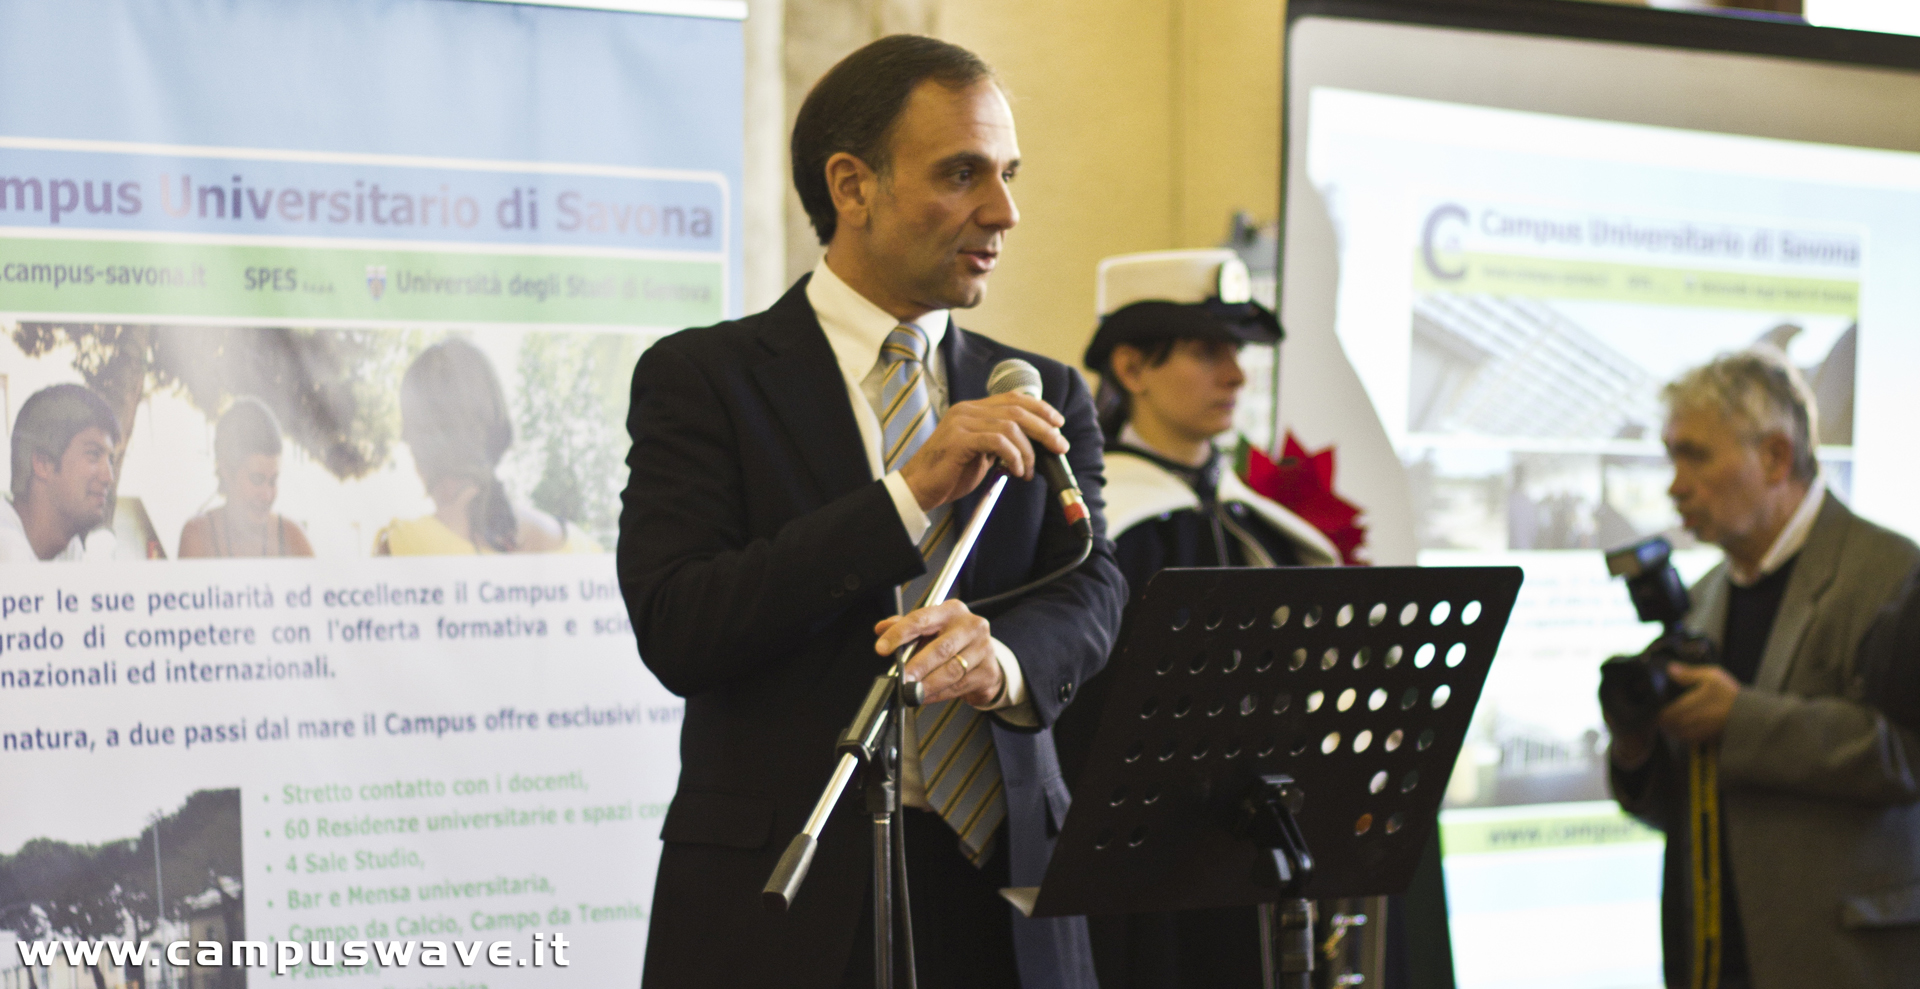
1065,486
1016,375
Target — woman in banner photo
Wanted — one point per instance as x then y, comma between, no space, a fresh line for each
454,417
1171,328
246,460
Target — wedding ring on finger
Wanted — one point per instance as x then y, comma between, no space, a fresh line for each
964,668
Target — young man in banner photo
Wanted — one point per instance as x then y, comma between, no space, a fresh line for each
798,477
1789,803
63,471
1171,328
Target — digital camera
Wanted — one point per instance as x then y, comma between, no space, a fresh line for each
1633,689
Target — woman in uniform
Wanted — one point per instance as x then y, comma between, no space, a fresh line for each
1167,352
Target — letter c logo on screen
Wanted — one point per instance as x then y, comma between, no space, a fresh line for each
1441,240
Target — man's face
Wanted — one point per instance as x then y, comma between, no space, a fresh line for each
77,487
1721,476
942,212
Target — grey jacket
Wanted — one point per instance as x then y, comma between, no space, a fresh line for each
1818,788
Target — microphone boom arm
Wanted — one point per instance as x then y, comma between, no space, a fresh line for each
864,742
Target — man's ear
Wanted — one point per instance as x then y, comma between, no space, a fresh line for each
853,185
44,467
1776,457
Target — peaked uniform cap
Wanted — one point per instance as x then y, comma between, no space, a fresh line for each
1201,294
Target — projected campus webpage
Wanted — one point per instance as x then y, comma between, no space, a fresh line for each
1514,290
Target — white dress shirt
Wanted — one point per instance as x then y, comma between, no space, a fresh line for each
855,329
1792,536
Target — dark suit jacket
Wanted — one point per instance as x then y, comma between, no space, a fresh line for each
756,553
1818,789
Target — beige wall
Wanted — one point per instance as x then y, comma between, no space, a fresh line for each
1144,124
1229,126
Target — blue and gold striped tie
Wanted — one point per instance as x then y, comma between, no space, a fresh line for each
957,761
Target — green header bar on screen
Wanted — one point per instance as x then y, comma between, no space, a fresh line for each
1557,278
145,278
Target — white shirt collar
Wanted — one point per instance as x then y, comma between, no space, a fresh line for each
1132,437
855,327
1791,538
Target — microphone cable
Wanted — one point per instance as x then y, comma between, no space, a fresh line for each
1015,375
1086,550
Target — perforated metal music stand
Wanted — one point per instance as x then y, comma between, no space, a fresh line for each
1356,682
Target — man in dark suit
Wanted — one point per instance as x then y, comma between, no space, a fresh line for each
797,477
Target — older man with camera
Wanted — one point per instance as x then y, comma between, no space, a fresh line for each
1793,838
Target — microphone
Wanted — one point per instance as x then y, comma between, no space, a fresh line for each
1015,375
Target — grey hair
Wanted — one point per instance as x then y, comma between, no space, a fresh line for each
1758,390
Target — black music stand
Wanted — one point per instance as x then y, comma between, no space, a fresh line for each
1276,734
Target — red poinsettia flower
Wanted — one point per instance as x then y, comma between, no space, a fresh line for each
1303,482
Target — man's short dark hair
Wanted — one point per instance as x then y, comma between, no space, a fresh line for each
854,106
48,423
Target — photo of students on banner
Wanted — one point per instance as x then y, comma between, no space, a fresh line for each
180,878
246,457
169,441
454,419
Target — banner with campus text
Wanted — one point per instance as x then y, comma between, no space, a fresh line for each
317,324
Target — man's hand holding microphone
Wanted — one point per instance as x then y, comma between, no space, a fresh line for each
1013,429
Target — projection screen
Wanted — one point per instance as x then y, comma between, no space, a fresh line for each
1506,226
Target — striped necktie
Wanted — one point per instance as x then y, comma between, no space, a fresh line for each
958,765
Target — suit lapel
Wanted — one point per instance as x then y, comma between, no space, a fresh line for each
1813,571
802,383
966,361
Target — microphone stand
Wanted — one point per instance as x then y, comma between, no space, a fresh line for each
872,743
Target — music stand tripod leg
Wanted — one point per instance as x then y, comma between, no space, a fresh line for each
1286,944
1286,927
